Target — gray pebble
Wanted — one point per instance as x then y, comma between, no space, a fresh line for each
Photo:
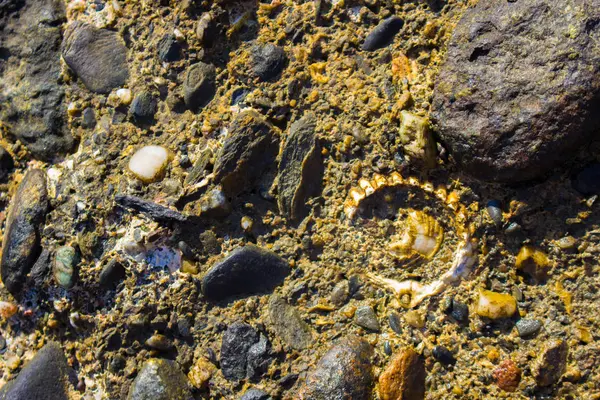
528,327
366,318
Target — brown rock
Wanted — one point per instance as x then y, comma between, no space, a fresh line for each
551,364
507,375
404,377
288,324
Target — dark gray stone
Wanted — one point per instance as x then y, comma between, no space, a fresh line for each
528,327
520,89
288,324
255,394
97,56
154,211
366,318
41,268
88,118
247,270
46,376
160,380
383,34
395,322
21,243
268,60
344,372
258,358
6,164
168,48
112,274
460,311
236,343
199,85
143,107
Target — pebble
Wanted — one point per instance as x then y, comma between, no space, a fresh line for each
159,379
40,269
206,29
199,85
97,56
143,107
159,342
344,372
247,270
507,375
417,140
587,181
268,60
168,48
8,309
404,377
494,305
125,96
528,327
64,267
365,317
88,118
443,355
214,204
201,372
340,293
395,322
383,34
494,211
44,377
551,362
255,394
6,164
21,243
242,351
459,311
148,164
288,324
112,274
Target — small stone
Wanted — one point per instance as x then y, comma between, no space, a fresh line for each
415,319
125,96
214,204
143,108
383,34
247,270
494,305
236,343
267,60
159,342
148,164
168,48
365,317
534,262
460,311
154,211
443,355
97,56
201,372
6,164
206,29
417,140
199,85
255,394
404,377
494,211
40,269
64,267
528,327
258,358
288,324
395,322
344,372
8,309
587,181
551,362
159,379
507,376
88,118
340,293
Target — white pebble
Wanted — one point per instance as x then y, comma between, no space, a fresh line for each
125,96
149,162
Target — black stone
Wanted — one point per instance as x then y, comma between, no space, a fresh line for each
494,211
258,359
88,118
268,60
169,48
236,343
460,311
112,274
247,270
443,355
41,268
154,211
255,394
143,107
383,34
6,164
199,85
587,181
395,322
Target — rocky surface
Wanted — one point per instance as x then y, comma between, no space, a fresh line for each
159,379
518,92
551,362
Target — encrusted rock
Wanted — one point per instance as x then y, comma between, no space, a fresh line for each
551,362
160,380
344,372
247,270
249,149
365,317
64,267
267,60
507,375
404,377
383,34
300,168
201,372
520,88
199,85
417,140
21,243
244,352
97,56
288,324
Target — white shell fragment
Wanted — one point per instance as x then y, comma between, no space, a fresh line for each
149,162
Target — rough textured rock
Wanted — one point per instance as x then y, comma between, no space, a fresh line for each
159,380
97,56
404,377
300,169
64,267
365,317
520,88
383,34
248,150
21,243
112,273
199,85
143,107
168,48
247,270
6,164
155,211
255,394
288,324
244,352
267,60
31,97
551,362
46,377
344,372
507,375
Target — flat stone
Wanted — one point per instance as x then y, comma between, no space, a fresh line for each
199,85
383,34
143,108
403,377
247,270
97,56
528,327
365,317
41,268
268,60
519,91
551,362
288,324
255,394
168,48
47,376
160,379
344,372
154,211
21,243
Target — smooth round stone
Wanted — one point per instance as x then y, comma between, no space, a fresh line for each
149,162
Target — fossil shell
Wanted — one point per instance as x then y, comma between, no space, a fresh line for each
423,235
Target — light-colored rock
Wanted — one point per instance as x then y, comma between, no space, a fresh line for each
149,163
495,305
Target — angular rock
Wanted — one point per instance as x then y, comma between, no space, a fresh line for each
404,377
236,343
21,243
247,270
551,362
199,85
255,394
258,358
300,169
288,324
168,48
155,211
267,60
88,118
520,88
143,107
365,317
383,34
249,149
112,274
40,269
46,377
6,164
344,372
160,379
97,56
417,141
31,96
